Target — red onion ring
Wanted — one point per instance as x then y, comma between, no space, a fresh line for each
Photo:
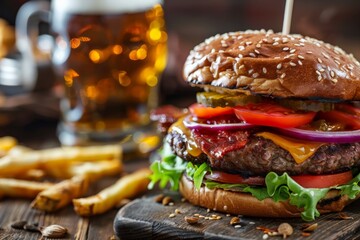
322,136
216,127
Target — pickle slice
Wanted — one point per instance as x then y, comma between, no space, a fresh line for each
306,105
213,99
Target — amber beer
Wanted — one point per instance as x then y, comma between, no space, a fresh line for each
109,54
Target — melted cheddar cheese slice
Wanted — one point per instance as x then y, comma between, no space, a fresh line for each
191,147
299,150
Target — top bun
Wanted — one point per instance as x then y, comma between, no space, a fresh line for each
273,64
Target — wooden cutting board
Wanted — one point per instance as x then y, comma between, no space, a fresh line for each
146,219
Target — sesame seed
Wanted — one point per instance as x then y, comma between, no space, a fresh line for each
237,226
292,50
322,70
278,66
350,66
325,55
319,60
256,51
337,62
289,56
300,63
252,55
302,44
309,52
213,50
319,78
251,71
258,45
301,57
255,75
285,40
352,74
241,48
317,72
172,215
240,56
276,43
264,70
285,49
283,75
242,66
334,80
332,74
248,43
292,64
298,45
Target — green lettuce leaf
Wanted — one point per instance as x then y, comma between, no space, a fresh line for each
283,187
352,189
167,171
197,173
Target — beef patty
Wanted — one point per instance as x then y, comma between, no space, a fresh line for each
258,155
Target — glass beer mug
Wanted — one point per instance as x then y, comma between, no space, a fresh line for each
109,56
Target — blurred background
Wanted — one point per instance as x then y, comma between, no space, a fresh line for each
188,23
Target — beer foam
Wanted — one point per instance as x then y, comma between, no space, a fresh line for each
102,6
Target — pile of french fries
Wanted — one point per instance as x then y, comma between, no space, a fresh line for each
24,173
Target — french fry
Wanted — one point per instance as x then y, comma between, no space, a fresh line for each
32,174
21,188
6,144
18,150
12,165
61,194
96,170
93,170
128,186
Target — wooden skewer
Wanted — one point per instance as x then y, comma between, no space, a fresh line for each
287,16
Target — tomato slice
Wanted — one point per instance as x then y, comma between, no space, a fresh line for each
201,111
323,181
268,114
224,177
344,114
306,181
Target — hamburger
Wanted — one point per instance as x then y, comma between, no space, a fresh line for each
275,131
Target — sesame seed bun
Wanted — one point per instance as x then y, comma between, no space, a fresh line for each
272,64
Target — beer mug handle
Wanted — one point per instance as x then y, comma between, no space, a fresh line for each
27,32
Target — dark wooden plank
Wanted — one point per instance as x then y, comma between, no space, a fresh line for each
145,219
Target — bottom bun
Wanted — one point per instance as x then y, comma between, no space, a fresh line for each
239,203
